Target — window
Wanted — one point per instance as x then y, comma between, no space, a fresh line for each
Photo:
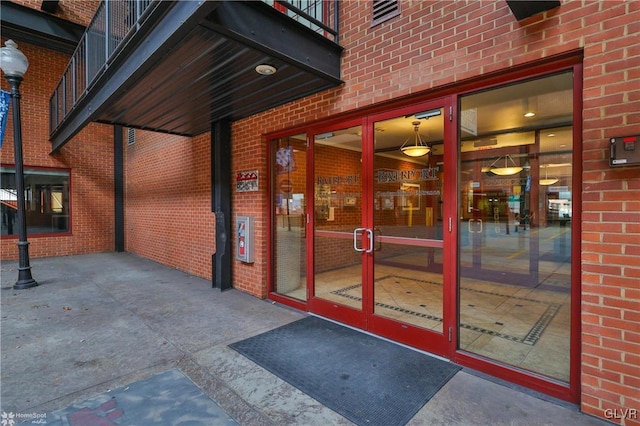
516,222
46,201
289,207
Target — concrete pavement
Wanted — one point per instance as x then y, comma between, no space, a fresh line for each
105,323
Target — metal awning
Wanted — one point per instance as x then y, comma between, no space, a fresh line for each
196,65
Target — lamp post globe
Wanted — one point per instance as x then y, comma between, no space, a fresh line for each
14,64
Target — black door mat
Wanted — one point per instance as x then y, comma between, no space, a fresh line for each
368,380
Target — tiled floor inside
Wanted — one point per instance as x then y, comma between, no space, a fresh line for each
524,326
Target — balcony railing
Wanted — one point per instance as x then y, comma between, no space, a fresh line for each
116,21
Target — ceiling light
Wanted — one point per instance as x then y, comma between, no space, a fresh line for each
418,148
550,181
527,109
547,180
264,69
506,170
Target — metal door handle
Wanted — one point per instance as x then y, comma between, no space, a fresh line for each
356,233
370,232
377,242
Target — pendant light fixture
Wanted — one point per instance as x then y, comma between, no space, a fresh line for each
418,148
547,180
507,170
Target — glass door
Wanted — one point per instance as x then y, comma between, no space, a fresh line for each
411,227
382,224
340,236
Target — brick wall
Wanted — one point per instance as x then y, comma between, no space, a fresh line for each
433,44
430,45
611,215
89,156
250,153
78,11
168,214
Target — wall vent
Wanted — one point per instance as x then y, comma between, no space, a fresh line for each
384,10
131,136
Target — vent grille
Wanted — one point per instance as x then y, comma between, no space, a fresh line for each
131,136
384,10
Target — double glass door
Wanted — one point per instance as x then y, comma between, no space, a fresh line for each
445,225
381,226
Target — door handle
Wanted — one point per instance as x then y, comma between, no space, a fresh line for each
377,243
473,231
356,234
370,232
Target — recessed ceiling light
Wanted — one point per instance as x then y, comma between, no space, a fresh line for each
551,135
530,114
264,69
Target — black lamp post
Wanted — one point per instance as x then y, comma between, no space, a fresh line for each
14,64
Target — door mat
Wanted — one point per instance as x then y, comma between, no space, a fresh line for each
368,380
168,398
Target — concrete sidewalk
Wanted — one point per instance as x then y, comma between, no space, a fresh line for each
105,323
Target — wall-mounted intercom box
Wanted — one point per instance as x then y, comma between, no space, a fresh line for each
244,239
625,151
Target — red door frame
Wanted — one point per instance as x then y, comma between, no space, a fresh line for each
562,62
444,343
342,313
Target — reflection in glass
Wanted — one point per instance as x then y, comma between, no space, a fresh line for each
408,211
289,156
47,201
515,226
337,213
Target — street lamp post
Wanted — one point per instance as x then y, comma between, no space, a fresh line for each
14,64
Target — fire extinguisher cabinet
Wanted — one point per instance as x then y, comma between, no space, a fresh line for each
244,239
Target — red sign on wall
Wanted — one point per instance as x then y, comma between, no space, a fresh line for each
247,181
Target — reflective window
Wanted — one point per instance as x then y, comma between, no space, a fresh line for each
47,201
408,218
516,216
338,212
289,204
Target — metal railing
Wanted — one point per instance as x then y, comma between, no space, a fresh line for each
116,21
319,15
113,23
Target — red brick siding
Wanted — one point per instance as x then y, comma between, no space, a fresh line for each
429,45
168,201
611,213
432,44
89,156
78,11
250,153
